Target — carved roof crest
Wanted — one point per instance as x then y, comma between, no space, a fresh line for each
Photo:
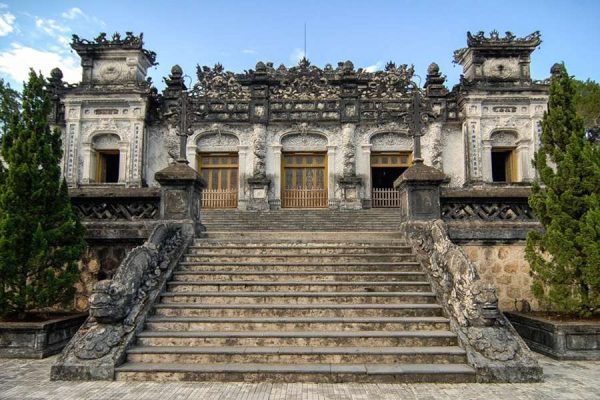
479,39
217,83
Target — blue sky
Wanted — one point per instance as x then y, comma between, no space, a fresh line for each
240,33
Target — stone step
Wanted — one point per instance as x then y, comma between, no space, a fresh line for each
325,373
304,258
290,310
312,251
303,286
300,297
276,267
294,338
296,323
293,355
310,236
274,276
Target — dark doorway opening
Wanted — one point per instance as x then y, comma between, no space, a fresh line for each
108,167
384,177
501,165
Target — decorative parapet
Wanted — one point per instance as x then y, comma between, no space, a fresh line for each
105,42
493,347
486,205
118,307
126,205
300,93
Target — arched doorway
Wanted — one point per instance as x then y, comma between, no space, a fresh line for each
304,171
106,158
218,163
390,156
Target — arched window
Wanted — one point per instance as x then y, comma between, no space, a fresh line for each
504,159
107,158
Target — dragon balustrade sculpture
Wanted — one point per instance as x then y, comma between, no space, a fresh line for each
493,347
118,306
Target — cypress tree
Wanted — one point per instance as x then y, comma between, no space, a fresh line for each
565,257
41,238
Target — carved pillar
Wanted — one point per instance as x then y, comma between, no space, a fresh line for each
190,152
89,164
124,165
242,165
419,188
331,176
366,173
181,195
524,157
276,182
486,160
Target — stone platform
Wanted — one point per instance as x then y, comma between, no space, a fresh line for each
29,380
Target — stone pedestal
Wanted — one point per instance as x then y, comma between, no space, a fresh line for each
419,188
259,194
350,186
181,195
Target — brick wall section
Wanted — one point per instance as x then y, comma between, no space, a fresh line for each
504,266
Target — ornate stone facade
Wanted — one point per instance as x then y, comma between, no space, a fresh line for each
347,114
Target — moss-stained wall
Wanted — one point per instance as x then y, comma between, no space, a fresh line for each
97,263
504,266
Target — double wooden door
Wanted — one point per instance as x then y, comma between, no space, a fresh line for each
221,173
304,180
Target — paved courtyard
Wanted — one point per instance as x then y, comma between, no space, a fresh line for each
29,379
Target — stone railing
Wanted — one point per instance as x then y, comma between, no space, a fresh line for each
118,307
124,205
490,214
493,347
486,205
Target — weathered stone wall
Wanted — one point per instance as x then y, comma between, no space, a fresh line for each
100,261
504,266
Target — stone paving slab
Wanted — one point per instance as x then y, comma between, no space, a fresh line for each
564,380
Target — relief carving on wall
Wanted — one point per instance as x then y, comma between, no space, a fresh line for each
504,138
107,141
311,141
394,140
217,140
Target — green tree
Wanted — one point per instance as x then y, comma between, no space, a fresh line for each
9,107
587,104
565,257
41,238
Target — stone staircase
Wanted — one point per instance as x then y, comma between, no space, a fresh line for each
293,306
375,219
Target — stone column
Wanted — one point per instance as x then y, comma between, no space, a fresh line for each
524,157
331,176
276,201
181,195
419,188
88,173
242,156
124,166
365,171
486,160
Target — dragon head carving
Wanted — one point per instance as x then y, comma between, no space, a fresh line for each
109,302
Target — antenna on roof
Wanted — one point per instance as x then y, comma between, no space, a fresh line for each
305,40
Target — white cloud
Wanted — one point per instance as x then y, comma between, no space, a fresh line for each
297,55
73,13
16,62
50,27
249,51
6,23
77,13
375,67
